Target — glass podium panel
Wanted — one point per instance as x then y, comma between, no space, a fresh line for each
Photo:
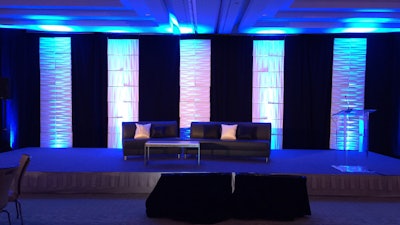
352,137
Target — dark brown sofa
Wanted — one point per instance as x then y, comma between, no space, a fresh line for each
160,130
252,139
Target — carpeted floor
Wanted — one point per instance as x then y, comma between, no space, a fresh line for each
281,161
130,210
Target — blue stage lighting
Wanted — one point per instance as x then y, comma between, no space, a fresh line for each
367,20
58,28
272,30
42,18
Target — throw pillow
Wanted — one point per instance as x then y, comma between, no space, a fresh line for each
142,131
228,132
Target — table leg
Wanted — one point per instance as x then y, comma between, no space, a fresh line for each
146,155
198,155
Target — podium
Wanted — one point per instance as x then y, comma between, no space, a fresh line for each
352,131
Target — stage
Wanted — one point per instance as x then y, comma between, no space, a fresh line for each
102,170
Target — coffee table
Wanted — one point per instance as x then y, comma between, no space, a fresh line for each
170,144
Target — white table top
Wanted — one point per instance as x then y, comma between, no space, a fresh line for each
187,144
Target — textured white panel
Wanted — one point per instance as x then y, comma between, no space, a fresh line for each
123,47
122,110
123,87
121,78
194,81
122,94
195,94
270,64
268,79
268,86
120,63
55,92
348,82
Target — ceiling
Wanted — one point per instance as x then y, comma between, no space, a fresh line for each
202,16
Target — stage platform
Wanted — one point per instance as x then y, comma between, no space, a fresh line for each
102,170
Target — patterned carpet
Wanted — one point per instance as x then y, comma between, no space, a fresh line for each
130,210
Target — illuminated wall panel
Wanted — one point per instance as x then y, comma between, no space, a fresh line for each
194,81
348,80
123,87
55,92
268,65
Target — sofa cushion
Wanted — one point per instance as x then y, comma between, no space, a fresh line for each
211,131
157,132
142,131
171,131
246,132
228,132
163,129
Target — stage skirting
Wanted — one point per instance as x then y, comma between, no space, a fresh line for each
144,182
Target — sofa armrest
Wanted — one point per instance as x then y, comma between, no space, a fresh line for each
128,129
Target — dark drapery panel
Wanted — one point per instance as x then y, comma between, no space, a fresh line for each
159,60
20,64
231,78
307,94
89,90
382,93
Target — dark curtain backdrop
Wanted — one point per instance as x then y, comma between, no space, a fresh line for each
89,90
307,95
382,92
20,63
231,78
159,60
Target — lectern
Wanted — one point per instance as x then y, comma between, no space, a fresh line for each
352,130
352,127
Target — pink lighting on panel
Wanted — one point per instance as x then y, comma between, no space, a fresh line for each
194,81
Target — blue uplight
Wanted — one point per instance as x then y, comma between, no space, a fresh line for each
354,30
12,138
367,20
204,29
375,10
58,28
359,30
272,30
186,30
12,123
46,17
